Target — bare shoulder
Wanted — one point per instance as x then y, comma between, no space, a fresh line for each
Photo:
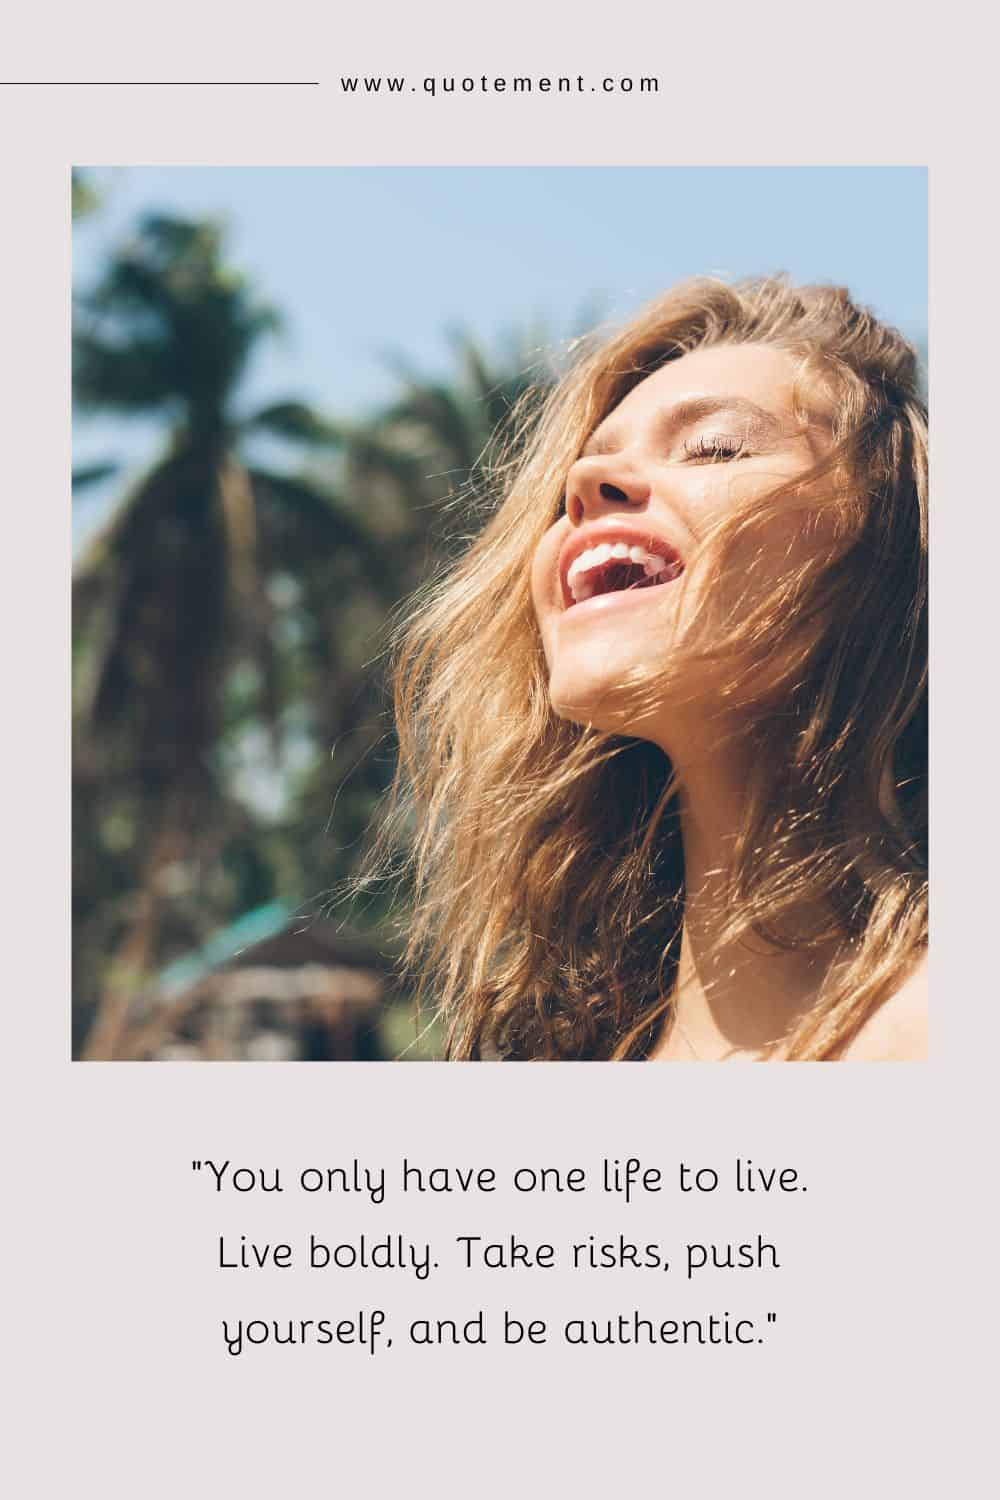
897,1032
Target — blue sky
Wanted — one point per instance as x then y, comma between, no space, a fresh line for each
366,262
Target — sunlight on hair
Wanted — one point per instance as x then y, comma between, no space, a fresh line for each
541,860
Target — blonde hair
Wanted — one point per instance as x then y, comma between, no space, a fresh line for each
546,886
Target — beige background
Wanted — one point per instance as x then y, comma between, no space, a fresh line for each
873,1380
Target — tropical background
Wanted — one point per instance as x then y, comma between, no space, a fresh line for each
288,385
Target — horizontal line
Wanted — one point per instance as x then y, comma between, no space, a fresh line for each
159,83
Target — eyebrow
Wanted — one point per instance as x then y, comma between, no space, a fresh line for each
684,414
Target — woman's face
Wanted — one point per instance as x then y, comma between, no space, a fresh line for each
686,448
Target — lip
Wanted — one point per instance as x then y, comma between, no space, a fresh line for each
609,531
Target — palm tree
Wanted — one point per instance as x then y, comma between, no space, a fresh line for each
423,468
177,593
444,436
225,598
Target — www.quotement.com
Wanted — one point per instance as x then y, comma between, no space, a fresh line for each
436,85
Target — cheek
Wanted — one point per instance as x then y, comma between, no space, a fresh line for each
544,582
770,547
764,569
781,545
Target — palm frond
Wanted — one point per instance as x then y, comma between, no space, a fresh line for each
90,474
296,421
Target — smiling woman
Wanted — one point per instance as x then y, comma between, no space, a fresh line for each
663,729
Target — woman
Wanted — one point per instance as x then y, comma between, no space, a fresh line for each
663,730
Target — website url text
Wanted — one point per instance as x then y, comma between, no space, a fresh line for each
483,84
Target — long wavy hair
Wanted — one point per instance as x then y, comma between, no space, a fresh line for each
545,892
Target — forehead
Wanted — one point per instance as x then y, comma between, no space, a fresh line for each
754,373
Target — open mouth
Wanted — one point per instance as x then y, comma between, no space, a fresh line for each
614,568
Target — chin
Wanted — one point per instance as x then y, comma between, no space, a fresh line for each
593,694
683,718
590,714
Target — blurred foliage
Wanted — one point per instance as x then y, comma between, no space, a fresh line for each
231,742
84,197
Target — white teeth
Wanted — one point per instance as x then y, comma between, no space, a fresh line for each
580,564
595,557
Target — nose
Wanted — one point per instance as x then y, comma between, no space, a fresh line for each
601,483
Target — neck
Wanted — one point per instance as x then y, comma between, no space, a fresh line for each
732,998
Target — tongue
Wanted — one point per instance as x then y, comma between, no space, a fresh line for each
617,575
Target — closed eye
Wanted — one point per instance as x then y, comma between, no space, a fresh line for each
715,447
